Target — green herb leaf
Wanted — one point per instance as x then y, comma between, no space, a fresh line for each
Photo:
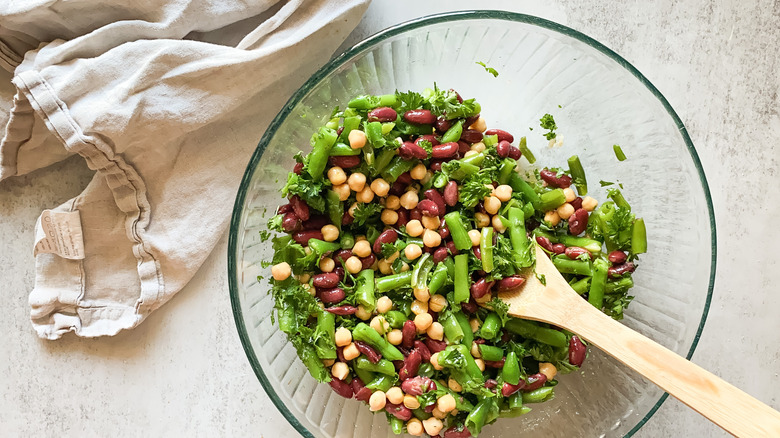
308,190
548,123
490,70
446,103
367,213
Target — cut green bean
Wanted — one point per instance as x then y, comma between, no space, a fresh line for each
346,239
581,286
491,326
568,266
518,184
463,321
618,152
325,344
396,425
381,383
528,329
364,375
382,161
578,175
594,246
396,167
394,281
384,366
438,278
421,271
322,142
538,395
506,170
521,245
453,134
511,371
335,207
458,231
552,199
365,289
620,285
523,146
343,150
452,329
598,283
491,353
462,279
486,248
363,332
395,318
639,237
367,102
350,124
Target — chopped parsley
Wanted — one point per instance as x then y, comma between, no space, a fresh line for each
548,122
490,70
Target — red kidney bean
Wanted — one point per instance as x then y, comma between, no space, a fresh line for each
298,168
397,188
415,214
340,354
573,252
451,247
340,272
409,150
435,165
496,363
559,248
515,153
403,217
398,364
618,270
400,412
411,365
470,120
440,254
332,296
436,197
502,135
347,219
425,353
368,350
617,257
535,381
342,255
339,131
416,385
454,432
544,243
442,125
427,137
479,341
435,346
446,150
316,222
382,114
578,222
510,283
283,209
576,203
387,236
428,409
505,336
368,261
325,280
463,147
471,136
300,208
342,310
490,383
577,351
409,332
420,117
345,162
444,232
480,207
341,387
290,222
553,180
428,207
359,389
457,95
481,287
509,389
477,252
451,193
502,148
405,178
303,237
470,306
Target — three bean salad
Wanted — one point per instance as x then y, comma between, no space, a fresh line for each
404,220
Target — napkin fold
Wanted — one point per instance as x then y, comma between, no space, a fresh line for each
166,101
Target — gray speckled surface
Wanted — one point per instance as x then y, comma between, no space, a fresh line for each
183,371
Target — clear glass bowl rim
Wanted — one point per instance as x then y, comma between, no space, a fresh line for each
388,33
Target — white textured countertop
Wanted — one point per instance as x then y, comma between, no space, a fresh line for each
183,371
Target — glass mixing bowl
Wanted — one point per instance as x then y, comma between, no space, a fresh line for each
603,101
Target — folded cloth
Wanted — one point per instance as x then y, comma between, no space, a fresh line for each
166,101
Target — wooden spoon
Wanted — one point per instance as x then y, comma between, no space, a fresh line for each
558,304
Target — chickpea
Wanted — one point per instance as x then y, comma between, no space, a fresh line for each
363,313
431,239
478,146
565,211
427,177
340,370
548,370
437,303
480,125
492,205
454,385
389,217
484,299
362,248
470,153
357,139
343,191
431,222
414,228
432,426
411,402
409,200
569,193
377,401
380,187
445,403
418,172
481,219
423,321
336,176
350,351
393,202
475,237
589,204
385,267
308,288
343,337
435,331
480,364
352,209
395,337
379,324
504,192
435,361
353,265
414,426
394,256
404,267
395,395
365,196
327,264
356,181
438,413
412,251
498,224
281,271
422,294
384,304
304,278
328,362
329,233
419,307
552,218
475,350
474,324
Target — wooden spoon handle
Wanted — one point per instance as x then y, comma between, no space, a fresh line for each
725,405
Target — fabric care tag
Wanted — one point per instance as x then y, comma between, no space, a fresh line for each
59,232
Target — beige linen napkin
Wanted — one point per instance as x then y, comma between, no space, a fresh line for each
165,100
